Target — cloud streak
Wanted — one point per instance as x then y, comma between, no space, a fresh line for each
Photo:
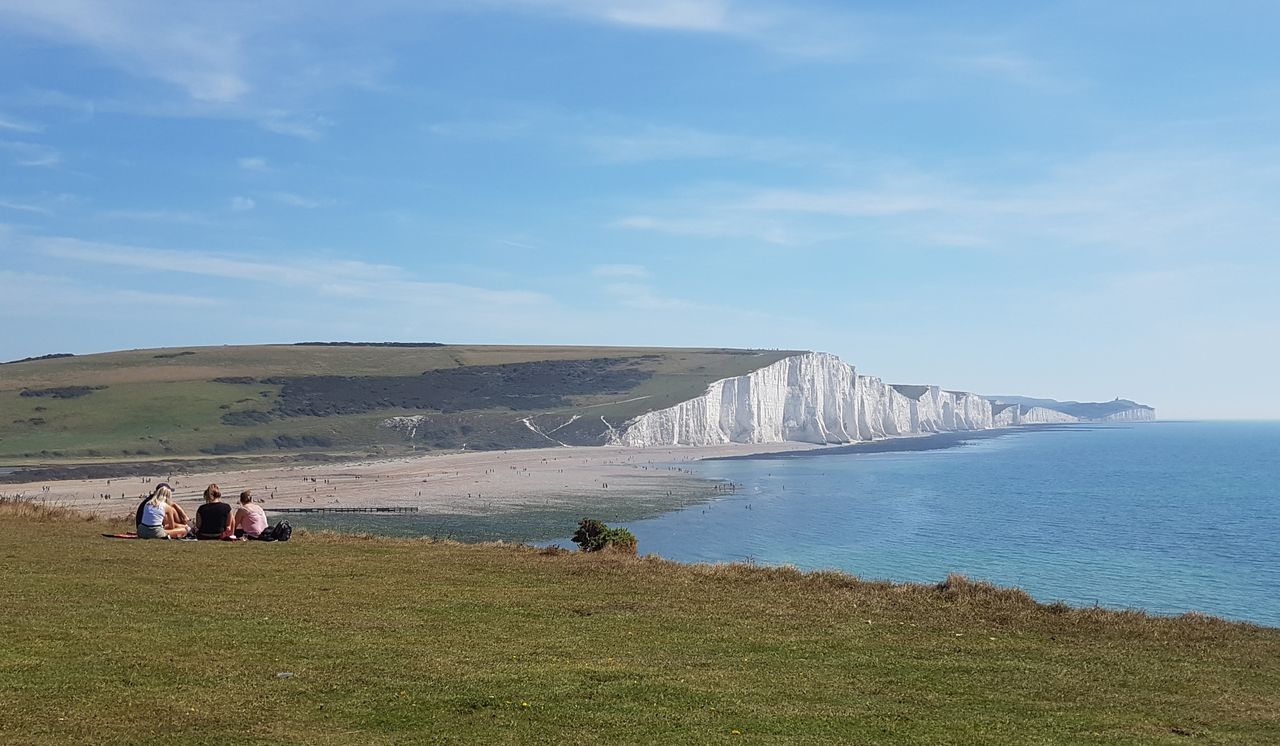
668,143
193,49
25,207
1156,201
632,271
17,125
29,154
348,279
296,200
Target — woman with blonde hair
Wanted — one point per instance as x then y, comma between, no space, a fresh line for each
214,519
158,517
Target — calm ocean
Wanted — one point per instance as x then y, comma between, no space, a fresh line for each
1167,516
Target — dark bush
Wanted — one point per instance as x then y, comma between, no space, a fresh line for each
249,444
62,392
246,418
594,536
235,379
302,441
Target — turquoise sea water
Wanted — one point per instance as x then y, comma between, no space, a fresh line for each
1167,517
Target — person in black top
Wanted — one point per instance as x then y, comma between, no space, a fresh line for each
214,519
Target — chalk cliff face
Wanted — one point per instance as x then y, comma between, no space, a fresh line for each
1137,414
809,398
1016,414
1044,416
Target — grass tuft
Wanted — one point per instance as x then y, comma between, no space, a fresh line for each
959,588
18,509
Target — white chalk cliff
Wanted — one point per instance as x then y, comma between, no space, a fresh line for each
816,397
1007,414
810,398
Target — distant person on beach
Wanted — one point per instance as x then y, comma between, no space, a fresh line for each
158,517
250,519
214,519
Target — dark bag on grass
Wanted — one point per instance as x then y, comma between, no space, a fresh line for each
281,532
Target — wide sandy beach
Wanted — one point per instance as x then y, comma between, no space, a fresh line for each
468,483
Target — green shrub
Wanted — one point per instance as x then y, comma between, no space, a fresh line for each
593,536
620,540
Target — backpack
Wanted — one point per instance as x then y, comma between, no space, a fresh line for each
281,532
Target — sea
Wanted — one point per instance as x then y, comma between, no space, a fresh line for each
1168,517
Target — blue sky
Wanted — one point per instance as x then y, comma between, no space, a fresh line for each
1067,199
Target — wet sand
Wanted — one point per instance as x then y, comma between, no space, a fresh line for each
466,484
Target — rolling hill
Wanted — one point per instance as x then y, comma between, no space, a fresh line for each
339,399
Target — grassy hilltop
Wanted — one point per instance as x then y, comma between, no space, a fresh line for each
335,399
406,641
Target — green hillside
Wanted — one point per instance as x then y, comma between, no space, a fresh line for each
336,640
336,399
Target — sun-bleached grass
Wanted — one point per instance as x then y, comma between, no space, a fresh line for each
405,640
18,510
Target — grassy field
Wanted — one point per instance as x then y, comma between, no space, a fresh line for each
169,403
401,641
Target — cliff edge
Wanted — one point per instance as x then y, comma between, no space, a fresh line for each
809,398
816,397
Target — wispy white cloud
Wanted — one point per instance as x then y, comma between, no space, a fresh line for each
230,60
678,15
610,139
202,263
789,28
253,164
663,143
192,47
156,216
242,204
319,297
32,154
74,297
852,204
714,222
25,207
295,200
304,126
1151,201
999,62
637,295
342,278
508,126
517,244
18,125
632,271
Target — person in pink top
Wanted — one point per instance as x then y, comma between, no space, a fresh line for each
251,520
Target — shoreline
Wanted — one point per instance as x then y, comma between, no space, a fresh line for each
519,494
913,443
476,484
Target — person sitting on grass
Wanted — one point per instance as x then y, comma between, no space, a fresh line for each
251,520
214,519
158,517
